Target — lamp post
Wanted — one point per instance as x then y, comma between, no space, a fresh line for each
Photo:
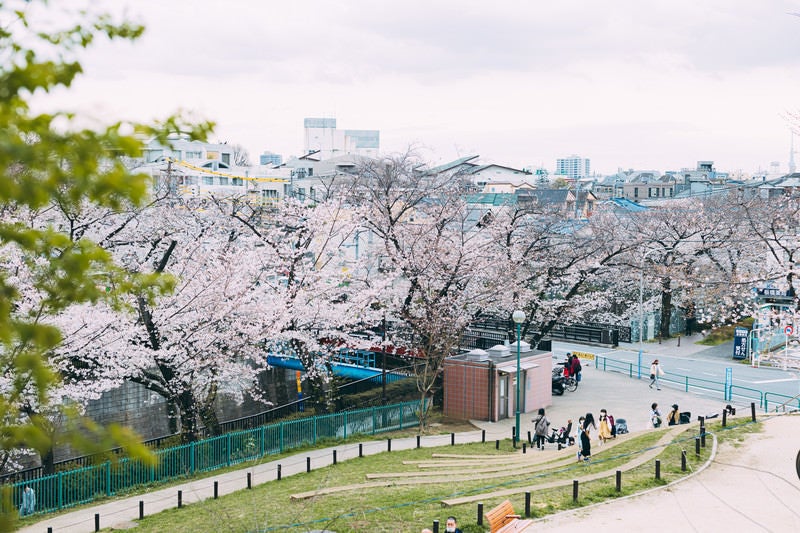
641,312
518,317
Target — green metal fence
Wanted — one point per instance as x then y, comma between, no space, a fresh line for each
83,485
765,400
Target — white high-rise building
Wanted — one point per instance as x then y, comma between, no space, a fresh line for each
322,137
573,167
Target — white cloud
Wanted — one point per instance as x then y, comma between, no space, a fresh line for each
656,84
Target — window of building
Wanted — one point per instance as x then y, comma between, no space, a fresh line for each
226,158
237,181
208,180
223,180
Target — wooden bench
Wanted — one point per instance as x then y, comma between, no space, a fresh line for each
503,520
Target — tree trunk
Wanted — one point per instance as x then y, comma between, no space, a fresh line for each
666,307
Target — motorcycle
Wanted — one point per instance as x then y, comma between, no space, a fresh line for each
559,383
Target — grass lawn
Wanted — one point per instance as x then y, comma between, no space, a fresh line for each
409,508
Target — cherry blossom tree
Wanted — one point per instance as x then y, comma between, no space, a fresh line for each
312,294
433,253
49,157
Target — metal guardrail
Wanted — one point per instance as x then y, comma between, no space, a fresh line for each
83,485
689,383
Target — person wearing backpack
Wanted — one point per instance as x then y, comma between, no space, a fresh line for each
576,368
541,426
655,415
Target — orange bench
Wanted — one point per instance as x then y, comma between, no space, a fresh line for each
502,519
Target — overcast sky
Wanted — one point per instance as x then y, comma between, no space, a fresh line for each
629,84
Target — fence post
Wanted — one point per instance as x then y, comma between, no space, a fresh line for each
345,424
191,457
280,437
228,449
374,420
263,440
108,478
60,490
314,433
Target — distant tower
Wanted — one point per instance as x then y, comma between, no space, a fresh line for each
792,166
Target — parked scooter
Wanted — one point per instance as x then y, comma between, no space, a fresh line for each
558,383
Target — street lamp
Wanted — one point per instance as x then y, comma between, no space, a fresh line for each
518,317
641,312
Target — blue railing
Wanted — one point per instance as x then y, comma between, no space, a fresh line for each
764,400
86,484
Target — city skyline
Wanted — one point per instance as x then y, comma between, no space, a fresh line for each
626,85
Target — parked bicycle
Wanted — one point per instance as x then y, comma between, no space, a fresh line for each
562,382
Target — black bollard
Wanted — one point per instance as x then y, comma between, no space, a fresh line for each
483,436
658,469
308,464
529,438
753,411
334,456
361,449
435,526
574,490
418,441
388,445
683,460
216,484
703,438
697,445
452,439
97,522
141,510
724,418
249,480
497,444
619,480
527,504
180,499
279,474
524,447
480,514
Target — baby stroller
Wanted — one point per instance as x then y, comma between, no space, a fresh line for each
562,436
622,426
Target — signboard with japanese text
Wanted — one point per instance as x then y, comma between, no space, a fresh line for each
740,343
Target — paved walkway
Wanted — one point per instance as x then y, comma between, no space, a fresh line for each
750,488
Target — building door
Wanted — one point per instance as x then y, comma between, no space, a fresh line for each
502,406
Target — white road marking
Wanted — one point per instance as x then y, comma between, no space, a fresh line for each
775,380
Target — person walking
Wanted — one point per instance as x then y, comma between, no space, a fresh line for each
541,425
28,501
655,373
655,415
584,428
